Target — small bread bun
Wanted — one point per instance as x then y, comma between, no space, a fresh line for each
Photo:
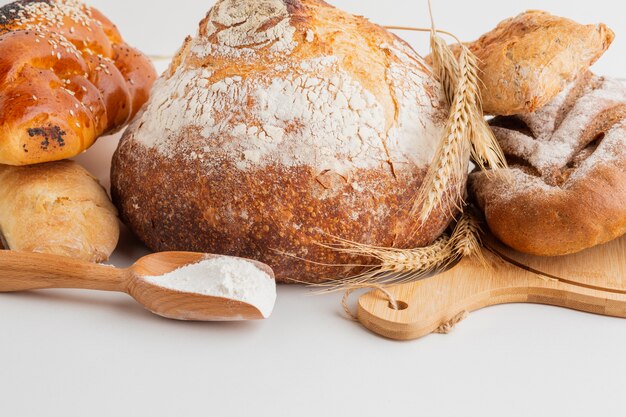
57,208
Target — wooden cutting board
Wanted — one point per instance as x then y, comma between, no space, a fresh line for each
593,281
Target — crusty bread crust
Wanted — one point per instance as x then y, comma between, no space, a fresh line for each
281,123
66,77
57,208
566,187
528,59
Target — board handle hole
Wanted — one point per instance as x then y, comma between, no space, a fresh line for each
401,306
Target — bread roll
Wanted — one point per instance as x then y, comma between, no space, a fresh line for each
57,208
566,188
66,78
528,59
280,123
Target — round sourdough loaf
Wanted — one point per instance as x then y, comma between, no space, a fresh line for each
281,123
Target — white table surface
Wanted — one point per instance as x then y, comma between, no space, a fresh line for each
80,353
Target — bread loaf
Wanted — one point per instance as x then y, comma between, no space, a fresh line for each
528,59
566,187
66,78
279,124
57,208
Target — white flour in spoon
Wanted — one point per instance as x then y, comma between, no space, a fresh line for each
233,278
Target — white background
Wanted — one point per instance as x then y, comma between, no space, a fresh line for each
74,353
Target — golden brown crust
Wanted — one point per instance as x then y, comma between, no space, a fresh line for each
57,208
356,115
528,59
66,78
566,189
215,216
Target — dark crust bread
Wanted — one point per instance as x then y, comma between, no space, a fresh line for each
552,207
190,193
589,213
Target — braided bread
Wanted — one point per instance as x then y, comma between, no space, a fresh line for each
66,78
567,185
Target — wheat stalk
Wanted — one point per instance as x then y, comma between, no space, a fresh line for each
447,174
389,265
398,266
486,152
466,133
466,239
445,67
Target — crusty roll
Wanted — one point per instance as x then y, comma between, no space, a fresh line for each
528,59
280,123
66,78
57,208
565,190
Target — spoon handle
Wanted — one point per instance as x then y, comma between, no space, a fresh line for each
22,271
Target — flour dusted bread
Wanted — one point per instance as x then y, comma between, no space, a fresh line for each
280,123
528,59
56,208
66,78
566,187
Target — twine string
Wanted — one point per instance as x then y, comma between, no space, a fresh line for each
444,328
168,57
447,327
346,297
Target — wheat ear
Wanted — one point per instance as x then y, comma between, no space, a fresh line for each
466,132
466,239
391,266
445,67
398,266
447,174
486,152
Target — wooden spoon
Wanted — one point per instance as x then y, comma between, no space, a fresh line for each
20,271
